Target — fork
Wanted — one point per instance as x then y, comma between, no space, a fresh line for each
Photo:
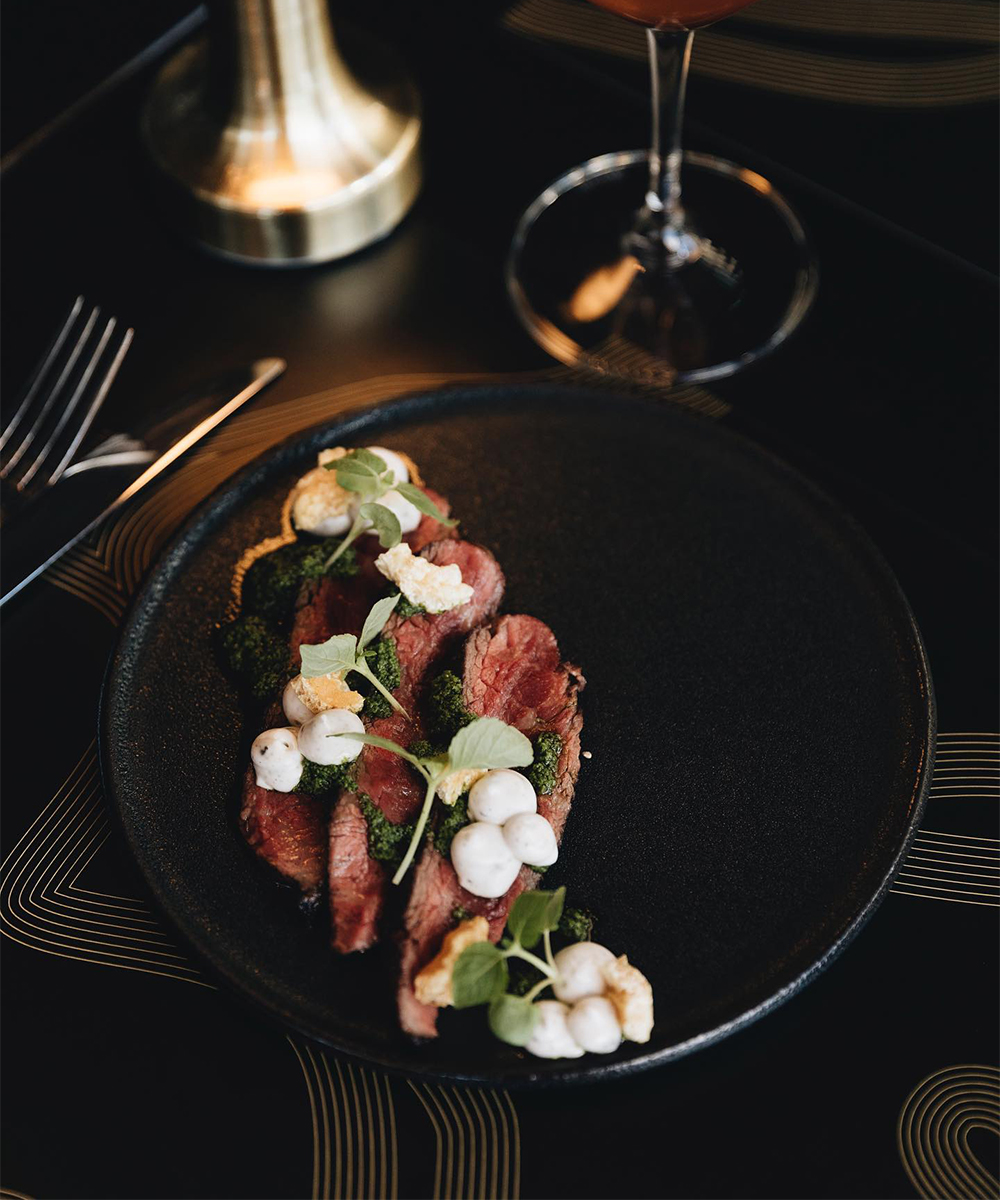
61,401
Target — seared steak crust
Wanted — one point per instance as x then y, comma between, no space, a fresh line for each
512,671
288,830
357,884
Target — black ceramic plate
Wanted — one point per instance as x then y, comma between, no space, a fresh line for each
758,708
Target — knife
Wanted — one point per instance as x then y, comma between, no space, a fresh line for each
52,526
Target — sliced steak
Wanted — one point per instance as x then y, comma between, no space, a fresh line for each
512,671
286,829
357,889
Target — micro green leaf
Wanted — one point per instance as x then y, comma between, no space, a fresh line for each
513,1019
336,654
420,500
342,653
376,619
487,744
362,472
478,976
535,913
385,523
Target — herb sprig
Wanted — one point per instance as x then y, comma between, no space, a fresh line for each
485,745
344,652
481,976
368,476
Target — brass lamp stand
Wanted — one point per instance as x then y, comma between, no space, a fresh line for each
271,148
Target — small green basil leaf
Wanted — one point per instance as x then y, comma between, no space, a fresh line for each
376,619
335,654
535,913
513,1019
487,744
478,976
360,471
386,524
424,503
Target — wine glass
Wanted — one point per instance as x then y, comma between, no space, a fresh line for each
609,270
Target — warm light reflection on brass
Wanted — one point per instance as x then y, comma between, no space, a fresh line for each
602,289
272,148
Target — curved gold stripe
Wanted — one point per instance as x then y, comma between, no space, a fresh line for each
937,1163
460,1187
33,866
361,1190
10,1194
324,1115
439,1140
378,1081
448,1178
944,20
963,79
346,1187
373,1138
315,1123
482,1101
393,1145
515,1183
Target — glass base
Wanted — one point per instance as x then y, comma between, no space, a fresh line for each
594,291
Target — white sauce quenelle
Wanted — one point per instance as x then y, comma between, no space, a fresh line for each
551,1037
400,471
294,709
277,760
482,861
318,743
531,839
581,971
500,795
593,1024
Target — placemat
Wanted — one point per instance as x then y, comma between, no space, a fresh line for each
68,891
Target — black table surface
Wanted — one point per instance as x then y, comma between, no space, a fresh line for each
147,1082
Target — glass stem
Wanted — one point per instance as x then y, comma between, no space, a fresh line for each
669,56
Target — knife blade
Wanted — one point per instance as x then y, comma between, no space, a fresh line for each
42,538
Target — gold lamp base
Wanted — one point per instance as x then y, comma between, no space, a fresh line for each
271,149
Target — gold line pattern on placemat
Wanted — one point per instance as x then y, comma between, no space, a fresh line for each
354,1140
932,1133
477,1142
10,1194
925,20
43,906
968,77
955,867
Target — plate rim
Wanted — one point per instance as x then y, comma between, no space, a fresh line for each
463,396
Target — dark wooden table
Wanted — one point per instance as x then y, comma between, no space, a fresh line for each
125,1081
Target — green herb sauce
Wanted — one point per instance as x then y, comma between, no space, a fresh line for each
386,842
542,774
256,655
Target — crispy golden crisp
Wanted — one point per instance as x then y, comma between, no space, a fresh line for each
458,782
632,995
327,691
433,984
318,496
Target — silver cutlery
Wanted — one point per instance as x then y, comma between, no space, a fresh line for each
63,397
63,515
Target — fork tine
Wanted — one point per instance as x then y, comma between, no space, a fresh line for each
69,407
44,365
46,408
95,404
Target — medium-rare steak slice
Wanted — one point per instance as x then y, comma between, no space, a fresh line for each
286,829
358,883
512,671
